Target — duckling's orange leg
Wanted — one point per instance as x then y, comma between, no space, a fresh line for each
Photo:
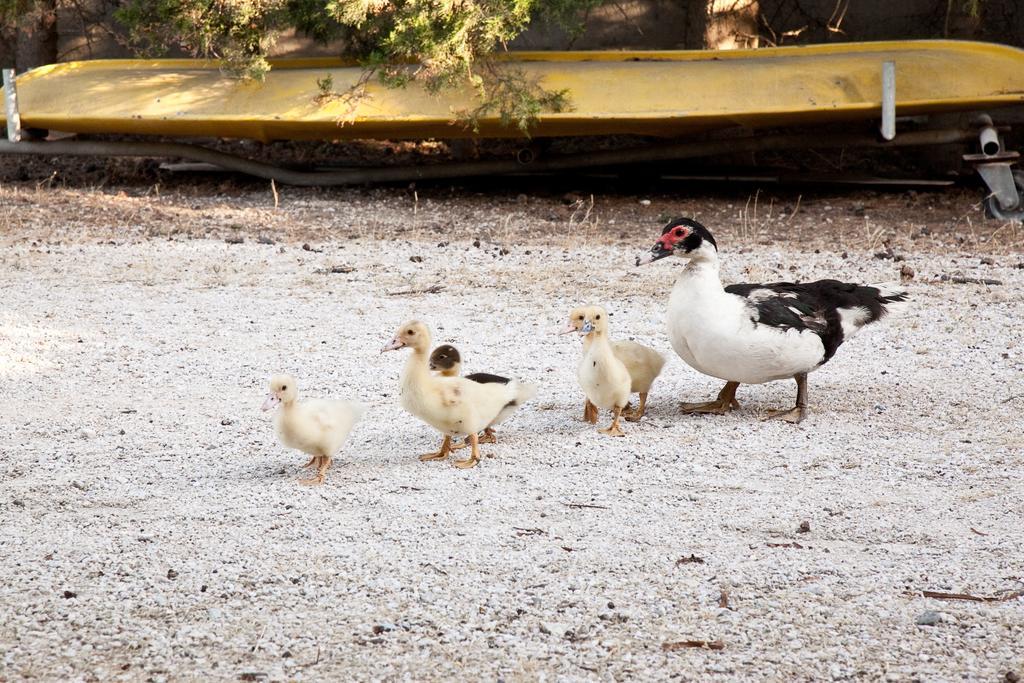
796,414
474,453
313,459
613,428
634,414
589,412
725,402
446,448
488,437
322,463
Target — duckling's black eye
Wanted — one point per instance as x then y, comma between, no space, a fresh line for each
410,332
284,388
598,317
581,317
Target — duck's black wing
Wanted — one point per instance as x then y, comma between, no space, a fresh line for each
831,309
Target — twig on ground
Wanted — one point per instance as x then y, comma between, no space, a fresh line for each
433,289
794,544
980,533
436,569
939,595
723,600
692,559
577,506
259,640
961,280
273,189
1007,400
528,532
683,644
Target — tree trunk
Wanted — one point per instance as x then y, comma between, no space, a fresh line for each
37,36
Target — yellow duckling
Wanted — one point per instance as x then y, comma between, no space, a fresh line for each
317,427
455,406
644,364
447,362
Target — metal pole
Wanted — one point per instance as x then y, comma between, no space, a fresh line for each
387,174
11,107
889,100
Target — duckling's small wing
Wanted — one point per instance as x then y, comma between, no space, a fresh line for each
487,378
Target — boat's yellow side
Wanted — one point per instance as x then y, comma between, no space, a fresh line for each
654,93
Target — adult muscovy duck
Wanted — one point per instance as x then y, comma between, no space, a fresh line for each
756,333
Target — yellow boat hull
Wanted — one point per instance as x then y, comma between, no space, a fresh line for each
646,93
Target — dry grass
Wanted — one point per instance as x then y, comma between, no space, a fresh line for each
862,221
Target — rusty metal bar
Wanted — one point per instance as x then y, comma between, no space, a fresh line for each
354,176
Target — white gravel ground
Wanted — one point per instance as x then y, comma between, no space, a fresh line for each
153,529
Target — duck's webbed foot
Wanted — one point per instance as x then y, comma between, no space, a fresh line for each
634,414
725,402
474,454
446,448
486,437
792,415
589,412
796,414
613,429
322,463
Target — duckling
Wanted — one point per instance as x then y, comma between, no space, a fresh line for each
447,362
454,406
604,378
643,363
317,427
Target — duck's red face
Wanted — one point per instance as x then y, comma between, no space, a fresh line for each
682,235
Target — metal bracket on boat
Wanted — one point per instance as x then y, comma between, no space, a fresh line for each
14,131
888,127
993,164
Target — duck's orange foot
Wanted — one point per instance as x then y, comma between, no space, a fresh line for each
793,415
716,407
725,402
440,455
613,430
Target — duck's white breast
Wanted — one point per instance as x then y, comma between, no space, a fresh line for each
713,333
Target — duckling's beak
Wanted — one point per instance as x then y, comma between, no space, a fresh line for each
658,251
270,403
588,327
393,345
568,329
